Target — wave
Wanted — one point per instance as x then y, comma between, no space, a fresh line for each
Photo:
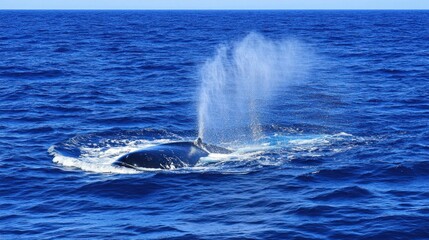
31,75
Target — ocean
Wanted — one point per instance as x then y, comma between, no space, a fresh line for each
326,112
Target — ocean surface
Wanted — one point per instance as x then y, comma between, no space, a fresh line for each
327,113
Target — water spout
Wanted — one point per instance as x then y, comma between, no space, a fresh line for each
239,81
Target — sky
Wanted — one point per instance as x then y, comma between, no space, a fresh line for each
214,4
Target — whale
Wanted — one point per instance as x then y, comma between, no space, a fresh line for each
169,155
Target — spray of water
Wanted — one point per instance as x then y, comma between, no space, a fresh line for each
240,80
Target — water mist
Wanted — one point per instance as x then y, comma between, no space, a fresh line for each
240,80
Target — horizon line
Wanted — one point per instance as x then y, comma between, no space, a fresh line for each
214,9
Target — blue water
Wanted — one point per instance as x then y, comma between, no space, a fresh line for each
343,149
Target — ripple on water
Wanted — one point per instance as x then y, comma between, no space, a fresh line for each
344,152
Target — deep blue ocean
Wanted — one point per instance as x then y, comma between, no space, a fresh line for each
335,144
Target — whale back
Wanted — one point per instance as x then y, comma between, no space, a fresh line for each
164,156
211,148
215,149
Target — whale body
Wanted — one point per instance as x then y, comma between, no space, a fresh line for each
169,155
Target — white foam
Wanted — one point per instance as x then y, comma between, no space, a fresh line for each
322,145
100,160
241,153
284,148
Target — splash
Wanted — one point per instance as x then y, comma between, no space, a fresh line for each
240,81
98,151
